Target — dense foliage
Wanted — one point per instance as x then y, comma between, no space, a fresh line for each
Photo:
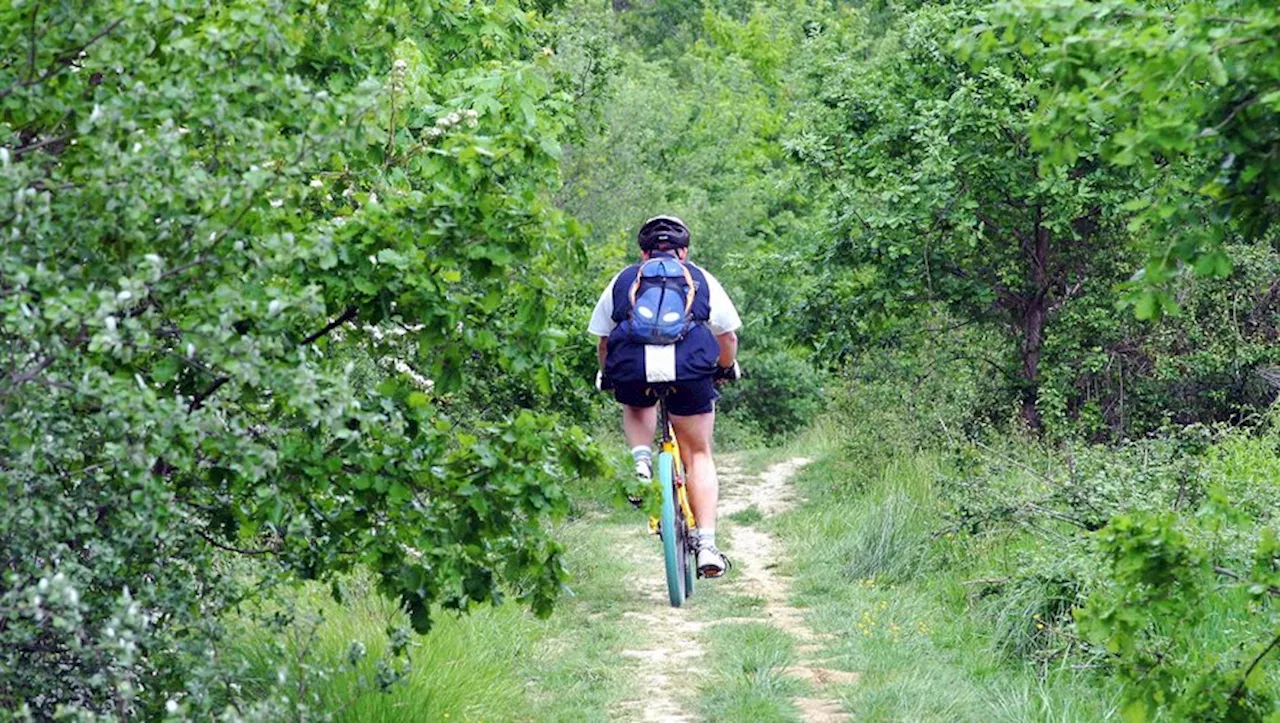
1187,94
1019,190
253,253
292,290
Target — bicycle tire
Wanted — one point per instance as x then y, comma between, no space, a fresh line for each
673,547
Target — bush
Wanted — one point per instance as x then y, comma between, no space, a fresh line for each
201,202
779,394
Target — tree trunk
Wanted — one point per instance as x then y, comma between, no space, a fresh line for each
1032,335
1033,320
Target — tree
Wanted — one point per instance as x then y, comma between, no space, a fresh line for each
1186,94
251,251
938,194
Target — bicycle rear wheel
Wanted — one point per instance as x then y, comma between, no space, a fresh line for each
674,548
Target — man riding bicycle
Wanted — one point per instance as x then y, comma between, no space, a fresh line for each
691,362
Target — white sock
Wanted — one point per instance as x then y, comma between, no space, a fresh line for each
706,537
644,459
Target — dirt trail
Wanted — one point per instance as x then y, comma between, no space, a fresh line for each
758,555
667,659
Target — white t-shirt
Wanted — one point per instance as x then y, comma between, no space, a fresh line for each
724,317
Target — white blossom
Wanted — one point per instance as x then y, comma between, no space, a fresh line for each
418,380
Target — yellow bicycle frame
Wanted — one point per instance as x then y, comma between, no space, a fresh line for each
672,447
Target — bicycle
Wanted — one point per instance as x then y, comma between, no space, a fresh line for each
675,521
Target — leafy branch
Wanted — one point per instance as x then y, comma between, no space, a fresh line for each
63,61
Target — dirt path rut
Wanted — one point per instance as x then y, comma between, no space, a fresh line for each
674,657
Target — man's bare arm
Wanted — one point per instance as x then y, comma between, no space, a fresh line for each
728,348
601,349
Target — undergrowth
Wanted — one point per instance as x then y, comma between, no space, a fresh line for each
980,574
496,663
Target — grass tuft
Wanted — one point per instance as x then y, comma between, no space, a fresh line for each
749,681
868,571
886,540
494,664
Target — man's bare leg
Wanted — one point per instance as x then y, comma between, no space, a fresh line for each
694,433
639,424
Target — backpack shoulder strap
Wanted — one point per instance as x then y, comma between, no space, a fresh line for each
621,292
701,310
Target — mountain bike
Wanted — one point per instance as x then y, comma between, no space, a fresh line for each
675,523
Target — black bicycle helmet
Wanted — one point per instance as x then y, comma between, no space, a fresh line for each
663,232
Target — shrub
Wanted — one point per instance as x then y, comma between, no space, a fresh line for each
198,199
779,394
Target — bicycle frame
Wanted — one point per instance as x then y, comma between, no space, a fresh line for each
671,445
676,526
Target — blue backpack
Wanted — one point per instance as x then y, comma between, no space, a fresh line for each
661,302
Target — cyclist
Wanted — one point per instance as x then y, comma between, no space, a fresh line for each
693,366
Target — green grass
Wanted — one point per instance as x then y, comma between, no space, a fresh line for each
865,567
749,516
748,681
497,663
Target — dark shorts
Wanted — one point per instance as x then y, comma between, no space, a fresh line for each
690,397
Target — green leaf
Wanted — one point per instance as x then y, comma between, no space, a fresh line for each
166,369
1134,711
1146,306
1216,263
1217,71
551,147
529,111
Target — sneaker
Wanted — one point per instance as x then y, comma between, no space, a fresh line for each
711,563
644,473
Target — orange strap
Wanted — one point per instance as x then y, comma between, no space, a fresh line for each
688,299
